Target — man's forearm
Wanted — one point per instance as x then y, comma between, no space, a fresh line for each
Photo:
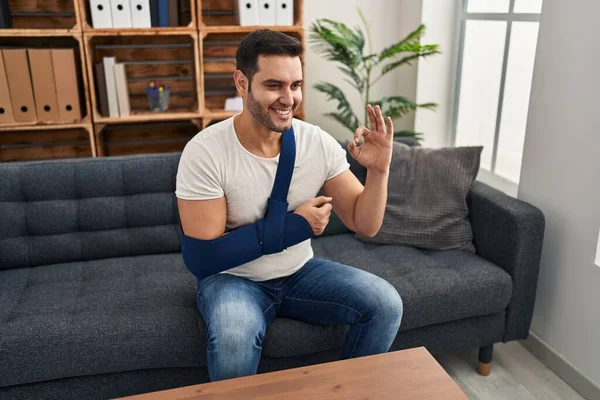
370,205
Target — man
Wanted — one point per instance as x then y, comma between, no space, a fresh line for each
225,177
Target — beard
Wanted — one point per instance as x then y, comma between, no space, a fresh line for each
262,115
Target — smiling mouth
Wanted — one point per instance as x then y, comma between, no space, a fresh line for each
283,113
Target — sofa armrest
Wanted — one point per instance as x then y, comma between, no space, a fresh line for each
510,233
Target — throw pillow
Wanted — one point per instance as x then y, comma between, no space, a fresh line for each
427,198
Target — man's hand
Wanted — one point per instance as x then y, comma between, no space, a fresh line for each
376,152
317,212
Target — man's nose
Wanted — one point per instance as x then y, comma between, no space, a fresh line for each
286,97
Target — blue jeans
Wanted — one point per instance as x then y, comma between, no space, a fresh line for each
237,311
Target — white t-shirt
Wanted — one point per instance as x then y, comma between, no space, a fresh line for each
214,164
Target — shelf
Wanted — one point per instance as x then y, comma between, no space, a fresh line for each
219,114
196,59
145,117
219,13
172,59
58,41
39,32
170,31
52,16
187,24
40,142
44,126
144,137
214,115
248,29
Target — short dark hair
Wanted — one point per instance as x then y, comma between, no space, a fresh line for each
264,42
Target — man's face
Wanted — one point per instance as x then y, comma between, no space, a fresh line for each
276,91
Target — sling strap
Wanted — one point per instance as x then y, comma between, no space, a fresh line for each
272,239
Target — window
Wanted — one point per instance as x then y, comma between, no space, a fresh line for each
497,47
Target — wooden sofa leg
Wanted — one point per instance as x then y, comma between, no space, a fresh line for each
485,360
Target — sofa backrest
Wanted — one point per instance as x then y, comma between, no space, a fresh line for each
85,209
92,208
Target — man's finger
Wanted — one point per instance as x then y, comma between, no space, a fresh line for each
361,131
353,149
371,114
379,118
390,127
326,209
319,201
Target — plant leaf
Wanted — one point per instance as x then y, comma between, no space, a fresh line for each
418,52
398,106
370,61
337,42
344,113
357,81
343,119
403,45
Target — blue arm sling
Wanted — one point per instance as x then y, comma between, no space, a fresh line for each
278,230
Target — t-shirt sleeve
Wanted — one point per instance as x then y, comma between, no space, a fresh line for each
335,155
199,173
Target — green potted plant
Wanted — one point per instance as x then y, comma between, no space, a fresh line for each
345,46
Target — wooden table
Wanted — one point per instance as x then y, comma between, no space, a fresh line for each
407,374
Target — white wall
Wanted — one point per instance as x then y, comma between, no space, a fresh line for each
390,21
437,74
560,174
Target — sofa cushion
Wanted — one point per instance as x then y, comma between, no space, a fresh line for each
130,313
435,286
427,198
60,211
98,317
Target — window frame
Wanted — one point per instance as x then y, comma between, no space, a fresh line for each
489,177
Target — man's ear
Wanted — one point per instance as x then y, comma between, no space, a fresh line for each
241,81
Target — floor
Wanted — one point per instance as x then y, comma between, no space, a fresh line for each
516,374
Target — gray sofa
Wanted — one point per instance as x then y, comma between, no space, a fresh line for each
95,301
